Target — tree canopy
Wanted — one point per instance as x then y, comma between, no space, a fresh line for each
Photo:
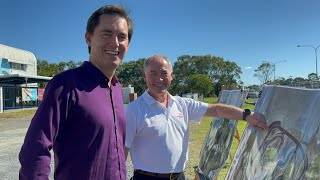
51,69
206,75
264,72
46,69
224,74
131,73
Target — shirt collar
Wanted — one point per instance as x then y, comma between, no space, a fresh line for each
95,74
150,100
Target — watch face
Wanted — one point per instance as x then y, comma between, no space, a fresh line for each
246,112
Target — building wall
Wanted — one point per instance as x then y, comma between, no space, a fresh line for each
17,61
7,67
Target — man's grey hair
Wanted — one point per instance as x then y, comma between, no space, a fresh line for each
149,59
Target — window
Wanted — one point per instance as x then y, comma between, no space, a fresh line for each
23,67
18,66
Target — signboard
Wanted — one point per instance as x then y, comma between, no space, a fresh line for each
290,149
40,94
29,94
217,145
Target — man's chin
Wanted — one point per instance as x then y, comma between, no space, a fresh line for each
116,63
163,91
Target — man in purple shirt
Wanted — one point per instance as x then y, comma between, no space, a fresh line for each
82,114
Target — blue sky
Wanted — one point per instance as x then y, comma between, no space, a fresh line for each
246,32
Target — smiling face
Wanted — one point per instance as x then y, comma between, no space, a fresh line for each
158,76
109,43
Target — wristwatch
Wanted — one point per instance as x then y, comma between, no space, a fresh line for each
245,113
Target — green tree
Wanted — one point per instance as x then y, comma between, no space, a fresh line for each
289,81
220,72
72,64
255,87
42,67
181,69
299,81
51,69
264,72
46,69
131,73
313,77
200,83
281,81
229,73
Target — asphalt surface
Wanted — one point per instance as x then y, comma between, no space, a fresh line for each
12,133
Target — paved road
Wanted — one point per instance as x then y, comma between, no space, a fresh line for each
12,133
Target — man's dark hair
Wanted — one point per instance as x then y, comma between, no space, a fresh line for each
118,10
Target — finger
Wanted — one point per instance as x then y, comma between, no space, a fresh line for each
264,127
261,126
258,128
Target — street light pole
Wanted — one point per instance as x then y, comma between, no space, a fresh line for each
316,54
274,67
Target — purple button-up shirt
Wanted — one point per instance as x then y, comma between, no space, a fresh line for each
83,120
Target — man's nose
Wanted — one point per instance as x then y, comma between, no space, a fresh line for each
115,41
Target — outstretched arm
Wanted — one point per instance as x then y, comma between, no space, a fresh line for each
256,120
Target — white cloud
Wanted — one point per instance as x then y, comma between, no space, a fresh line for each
248,67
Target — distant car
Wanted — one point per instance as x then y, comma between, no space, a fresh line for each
252,94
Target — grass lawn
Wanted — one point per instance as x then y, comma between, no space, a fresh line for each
17,113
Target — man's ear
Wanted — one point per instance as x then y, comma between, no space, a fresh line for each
88,38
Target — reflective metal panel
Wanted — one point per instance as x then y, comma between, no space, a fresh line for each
291,149
218,141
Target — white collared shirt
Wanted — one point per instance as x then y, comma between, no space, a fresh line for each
157,136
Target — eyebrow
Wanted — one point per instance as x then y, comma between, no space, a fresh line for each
109,31
106,30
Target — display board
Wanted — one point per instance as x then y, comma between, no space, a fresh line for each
291,149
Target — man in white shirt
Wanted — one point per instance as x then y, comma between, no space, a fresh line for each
157,132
